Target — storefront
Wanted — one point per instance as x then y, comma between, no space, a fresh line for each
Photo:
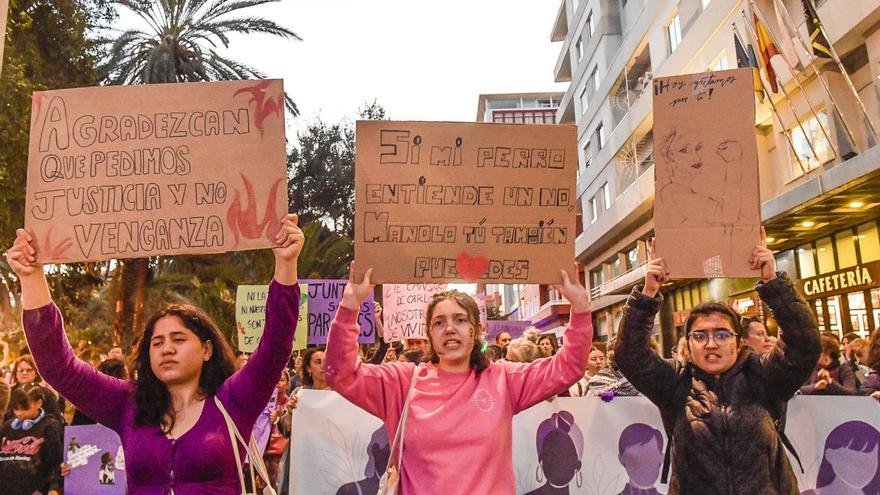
846,300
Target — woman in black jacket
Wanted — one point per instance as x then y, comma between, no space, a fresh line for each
722,410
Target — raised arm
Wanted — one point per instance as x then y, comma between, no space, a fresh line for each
375,388
790,363
649,373
94,393
246,393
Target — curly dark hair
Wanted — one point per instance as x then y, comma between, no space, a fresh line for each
307,378
153,402
478,360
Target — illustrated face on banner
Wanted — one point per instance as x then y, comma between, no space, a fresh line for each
560,445
851,458
641,454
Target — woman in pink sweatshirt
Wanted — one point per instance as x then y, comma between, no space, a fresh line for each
458,432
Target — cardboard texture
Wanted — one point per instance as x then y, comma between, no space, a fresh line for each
135,171
97,464
403,310
461,202
4,15
706,205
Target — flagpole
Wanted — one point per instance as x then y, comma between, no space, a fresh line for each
784,93
811,55
797,81
775,111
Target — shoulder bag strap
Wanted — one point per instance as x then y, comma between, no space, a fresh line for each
401,425
256,461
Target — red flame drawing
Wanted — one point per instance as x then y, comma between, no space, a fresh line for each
265,106
244,222
52,252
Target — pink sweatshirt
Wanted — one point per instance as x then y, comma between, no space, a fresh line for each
458,434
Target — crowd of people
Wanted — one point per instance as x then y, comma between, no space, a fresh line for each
169,396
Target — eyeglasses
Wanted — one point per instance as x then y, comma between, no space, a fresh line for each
24,370
720,336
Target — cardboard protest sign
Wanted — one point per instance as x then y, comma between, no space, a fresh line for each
514,327
250,315
4,12
135,171
450,202
706,202
97,464
404,308
301,337
324,298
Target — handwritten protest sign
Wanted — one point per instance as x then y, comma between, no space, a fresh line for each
135,171
97,464
324,298
449,202
250,315
513,327
404,309
706,204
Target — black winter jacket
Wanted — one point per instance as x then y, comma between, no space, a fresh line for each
724,428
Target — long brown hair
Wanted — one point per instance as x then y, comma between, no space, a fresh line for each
874,351
478,361
153,402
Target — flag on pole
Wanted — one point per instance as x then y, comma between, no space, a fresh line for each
747,59
787,40
821,47
768,51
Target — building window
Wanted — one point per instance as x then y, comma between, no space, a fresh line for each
600,136
632,257
591,26
595,77
806,263
594,211
825,254
588,158
720,63
585,99
606,195
846,249
869,242
597,277
801,140
673,32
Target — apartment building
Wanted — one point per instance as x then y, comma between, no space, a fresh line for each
819,165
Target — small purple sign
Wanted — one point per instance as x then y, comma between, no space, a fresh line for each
94,453
324,297
514,327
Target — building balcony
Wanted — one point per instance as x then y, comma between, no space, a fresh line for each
560,25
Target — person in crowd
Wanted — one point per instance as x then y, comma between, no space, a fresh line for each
721,410
494,353
830,377
560,444
848,338
522,350
313,378
26,377
855,356
457,382
115,352
755,336
502,339
640,452
773,340
609,382
871,384
110,367
416,344
277,443
30,446
595,363
381,346
547,345
412,356
173,433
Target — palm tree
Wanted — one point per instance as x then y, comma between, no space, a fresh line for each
176,42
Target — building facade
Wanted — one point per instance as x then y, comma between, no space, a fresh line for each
819,165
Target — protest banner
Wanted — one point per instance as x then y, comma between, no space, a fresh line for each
514,327
324,298
404,308
156,169
250,315
342,436
461,202
706,203
97,464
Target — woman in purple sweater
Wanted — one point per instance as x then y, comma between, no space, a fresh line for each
174,436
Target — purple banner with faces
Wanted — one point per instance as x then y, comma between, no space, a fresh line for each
94,453
514,328
324,297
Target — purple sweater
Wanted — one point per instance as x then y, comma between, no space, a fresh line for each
200,461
